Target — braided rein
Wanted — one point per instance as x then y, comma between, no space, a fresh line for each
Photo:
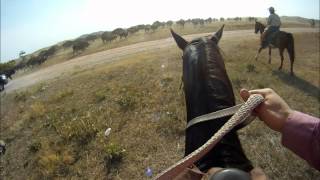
240,116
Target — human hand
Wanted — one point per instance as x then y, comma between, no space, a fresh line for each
274,111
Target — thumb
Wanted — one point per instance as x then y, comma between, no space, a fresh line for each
244,93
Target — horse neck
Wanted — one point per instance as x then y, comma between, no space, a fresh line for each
262,28
211,89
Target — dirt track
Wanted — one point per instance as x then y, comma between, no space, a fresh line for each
88,61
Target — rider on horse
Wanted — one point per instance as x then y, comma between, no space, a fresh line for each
274,24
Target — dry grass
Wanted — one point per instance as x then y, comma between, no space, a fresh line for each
139,98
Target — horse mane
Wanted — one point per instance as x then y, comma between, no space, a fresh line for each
216,79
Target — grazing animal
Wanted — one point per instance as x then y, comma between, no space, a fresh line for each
33,60
281,40
108,37
9,73
51,50
155,25
181,22
79,46
147,28
209,20
133,29
207,89
195,22
120,32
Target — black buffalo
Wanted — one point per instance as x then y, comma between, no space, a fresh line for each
108,37
120,32
79,46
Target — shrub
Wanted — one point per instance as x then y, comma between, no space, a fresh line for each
50,164
35,147
37,110
126,102
114,154
80,130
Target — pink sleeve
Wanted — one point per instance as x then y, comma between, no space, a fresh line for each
301,134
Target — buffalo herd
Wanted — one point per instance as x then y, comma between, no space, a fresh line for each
80,44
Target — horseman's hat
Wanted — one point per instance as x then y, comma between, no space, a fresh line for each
271,9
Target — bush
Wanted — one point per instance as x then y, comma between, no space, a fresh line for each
114,154
37,110
126,103
80,130
35,147
51,164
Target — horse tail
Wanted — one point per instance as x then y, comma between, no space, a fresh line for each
290,47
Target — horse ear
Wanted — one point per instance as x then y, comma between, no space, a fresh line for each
217,36
182,43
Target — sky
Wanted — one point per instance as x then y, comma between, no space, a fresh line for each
30,25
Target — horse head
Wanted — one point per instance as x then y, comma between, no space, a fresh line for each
208,88
202,66
259,27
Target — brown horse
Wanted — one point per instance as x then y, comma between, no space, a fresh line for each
207,89
281,40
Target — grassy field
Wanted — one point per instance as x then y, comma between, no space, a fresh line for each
55,130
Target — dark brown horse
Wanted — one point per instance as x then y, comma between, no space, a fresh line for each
281,40
207,89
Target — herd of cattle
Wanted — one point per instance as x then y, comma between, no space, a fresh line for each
80,44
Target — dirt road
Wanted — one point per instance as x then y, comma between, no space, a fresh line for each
88,61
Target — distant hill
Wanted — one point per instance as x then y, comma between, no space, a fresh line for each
296,19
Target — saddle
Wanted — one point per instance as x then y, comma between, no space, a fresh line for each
268,38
